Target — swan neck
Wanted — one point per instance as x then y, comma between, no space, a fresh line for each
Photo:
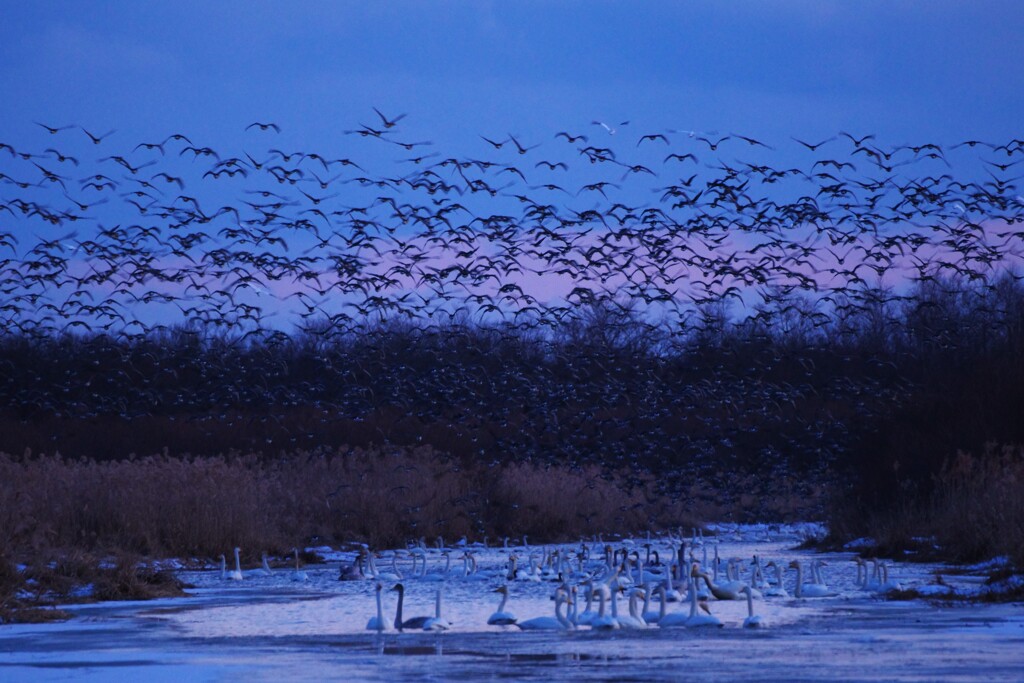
559,603
398,609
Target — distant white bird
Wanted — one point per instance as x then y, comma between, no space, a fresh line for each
298,574
265,569
611,131
236,573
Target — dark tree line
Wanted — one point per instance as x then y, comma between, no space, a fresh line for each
872,397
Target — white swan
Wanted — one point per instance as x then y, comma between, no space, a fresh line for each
776,590
501,617
674,620
862,572
888,585
298,574
517,574
394,575
633,620
236,573
757,578
588,613
437,622
671,594
678,619
438,574
726,591
223,569
729,590
652,616
699,620
378,623
752,620
574,606
816,576
265,569
559,622
418,553
874,582
603,622
809,590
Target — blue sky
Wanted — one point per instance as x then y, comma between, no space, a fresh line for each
909,71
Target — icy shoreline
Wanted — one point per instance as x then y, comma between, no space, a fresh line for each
271,627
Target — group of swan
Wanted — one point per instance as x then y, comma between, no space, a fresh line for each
566,615
817,588
236,573
599,578
264,570
423,623
640,588
608,617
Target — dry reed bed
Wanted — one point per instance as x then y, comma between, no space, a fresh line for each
203,506
974,513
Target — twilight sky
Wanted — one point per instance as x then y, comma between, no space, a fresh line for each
935,70
909,72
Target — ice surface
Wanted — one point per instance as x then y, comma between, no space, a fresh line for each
269,628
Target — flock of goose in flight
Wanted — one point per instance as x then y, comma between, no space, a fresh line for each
588,581
124,239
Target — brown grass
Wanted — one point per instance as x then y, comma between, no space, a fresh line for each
204,506
975,513
979,505
128,579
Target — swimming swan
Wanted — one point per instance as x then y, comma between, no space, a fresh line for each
699,620
378,623
809,590
437,622
298,574
752,620
265,569
236,573
413,623
501,617
633,620
603,622
559,622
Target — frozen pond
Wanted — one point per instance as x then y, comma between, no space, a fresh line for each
266,628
